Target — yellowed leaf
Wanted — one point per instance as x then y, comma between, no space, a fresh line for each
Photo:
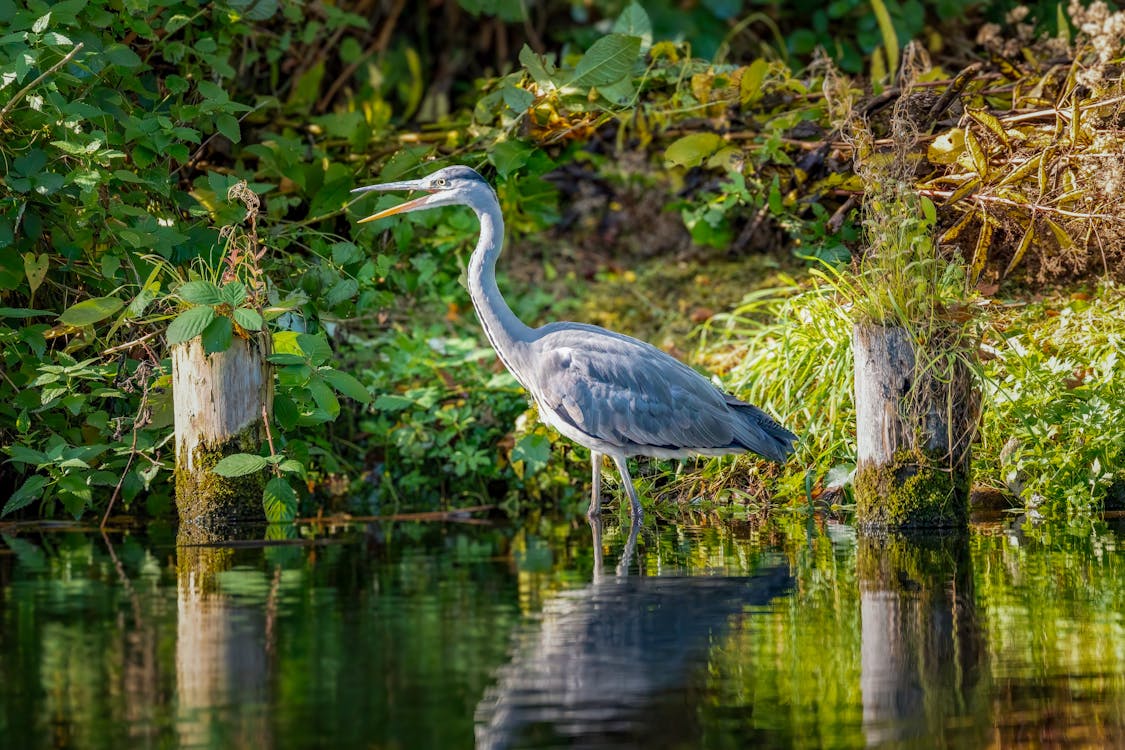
1023,169
964,191
750,85
991,123
955,231
980,252
1021,249
976,153
1061,236
947,147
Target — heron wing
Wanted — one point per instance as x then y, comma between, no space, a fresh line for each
628,393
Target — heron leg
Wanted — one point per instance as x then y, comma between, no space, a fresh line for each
623,469
595,485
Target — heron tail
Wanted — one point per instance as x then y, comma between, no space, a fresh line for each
759,432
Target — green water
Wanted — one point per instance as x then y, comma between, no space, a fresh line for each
797,634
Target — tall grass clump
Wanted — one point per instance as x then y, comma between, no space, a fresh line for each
788,349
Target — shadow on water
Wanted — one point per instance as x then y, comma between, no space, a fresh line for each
609,664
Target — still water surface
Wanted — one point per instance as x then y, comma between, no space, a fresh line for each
796,634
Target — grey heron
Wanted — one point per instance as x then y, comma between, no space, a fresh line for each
611,393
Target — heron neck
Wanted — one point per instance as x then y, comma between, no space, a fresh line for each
504,330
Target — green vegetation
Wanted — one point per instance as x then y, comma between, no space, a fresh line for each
182,169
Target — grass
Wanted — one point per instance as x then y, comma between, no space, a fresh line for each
1053,422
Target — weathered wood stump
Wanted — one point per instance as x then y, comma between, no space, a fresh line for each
218,401
914,426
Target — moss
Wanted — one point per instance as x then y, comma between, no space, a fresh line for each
205,498
201,557
912,491
913,563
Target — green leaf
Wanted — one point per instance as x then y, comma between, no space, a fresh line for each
634,21
239,464
90,311
692,150
21,454
35,267
40,24
346,384
189,324
285,412
533,451
286,359
233,293
508,156
279,501
391,402
536,66
200,293
323,396
217,335
22,312
342,290
315,348
292,466
119,54
609,59
228,126
248,319
750,85
28,493
519,100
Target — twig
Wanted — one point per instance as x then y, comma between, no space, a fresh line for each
128,464
269,439
1027,206
131,344
377,47
436,515
23,92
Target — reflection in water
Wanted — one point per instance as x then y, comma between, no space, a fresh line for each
922,647
430,635
221,668
610,664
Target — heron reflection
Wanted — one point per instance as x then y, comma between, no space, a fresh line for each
617,662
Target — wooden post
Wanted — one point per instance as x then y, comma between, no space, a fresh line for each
913,430
218,401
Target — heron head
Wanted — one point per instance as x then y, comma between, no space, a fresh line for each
445,187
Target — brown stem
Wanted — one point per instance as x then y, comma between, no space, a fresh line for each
23,92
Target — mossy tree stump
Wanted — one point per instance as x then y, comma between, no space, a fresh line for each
914,426
219,400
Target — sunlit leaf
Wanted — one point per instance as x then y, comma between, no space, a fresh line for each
609,59
189,324
279,501
200,293
692,150
248,319
750,85
346,384
90,311
239,464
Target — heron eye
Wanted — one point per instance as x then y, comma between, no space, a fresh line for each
440,182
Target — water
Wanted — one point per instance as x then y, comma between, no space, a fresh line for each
796,634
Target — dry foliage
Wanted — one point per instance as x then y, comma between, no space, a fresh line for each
1032,171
